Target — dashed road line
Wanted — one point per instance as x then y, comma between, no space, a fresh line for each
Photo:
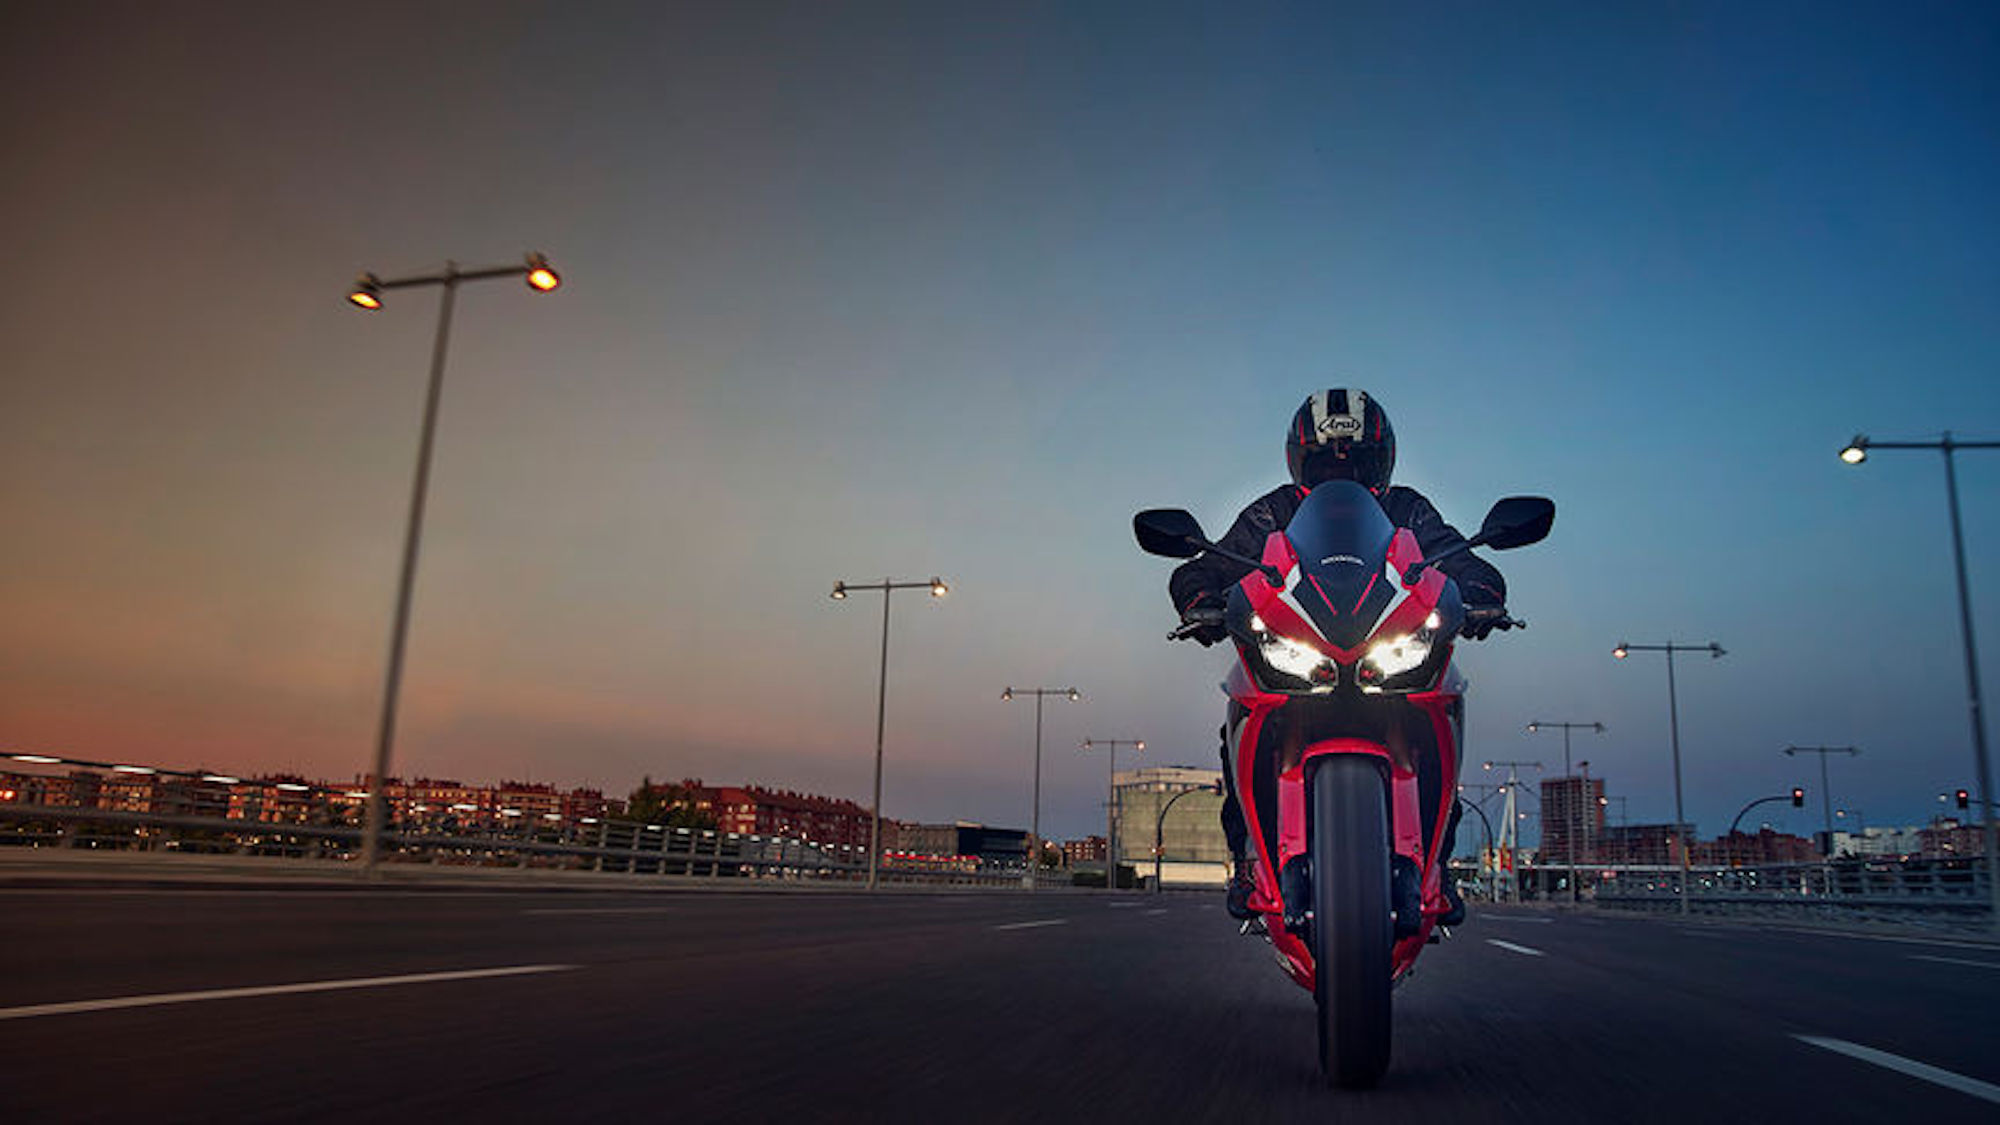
1508,945
1032,925
1899,938
1161,910
1950,1080
1515,918
1956,961
77,1006
610,910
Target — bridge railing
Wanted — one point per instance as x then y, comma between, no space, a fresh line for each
1915,884
607,846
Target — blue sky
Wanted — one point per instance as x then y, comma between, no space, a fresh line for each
863,290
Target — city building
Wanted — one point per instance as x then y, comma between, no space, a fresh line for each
1572,818
1177,808
1765,846
754,810
1946,838
1089,850
990,847
1645,845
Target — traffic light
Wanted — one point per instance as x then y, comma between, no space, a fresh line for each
1798,798
1964,799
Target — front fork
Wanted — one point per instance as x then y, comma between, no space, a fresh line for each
1405,816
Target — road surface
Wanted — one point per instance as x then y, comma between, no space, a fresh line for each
257,1005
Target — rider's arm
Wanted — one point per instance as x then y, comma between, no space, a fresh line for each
1205,581
1479,581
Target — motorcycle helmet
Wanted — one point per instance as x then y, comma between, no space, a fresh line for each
1341,434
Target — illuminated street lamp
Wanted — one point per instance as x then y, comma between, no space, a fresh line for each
1575,805
1715,652
1035,824
1111,803
938,589
1856,453
1861,822
367,294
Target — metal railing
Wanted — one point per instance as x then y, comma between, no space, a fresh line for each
1955,886
608,846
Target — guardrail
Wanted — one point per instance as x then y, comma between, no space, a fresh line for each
1956,886
619,847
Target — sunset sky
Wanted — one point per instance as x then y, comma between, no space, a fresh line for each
858,290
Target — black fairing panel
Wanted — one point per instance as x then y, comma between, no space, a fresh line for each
1342,537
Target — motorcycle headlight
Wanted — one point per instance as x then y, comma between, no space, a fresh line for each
1287,657
1395,656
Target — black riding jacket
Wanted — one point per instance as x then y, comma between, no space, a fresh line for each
1206,580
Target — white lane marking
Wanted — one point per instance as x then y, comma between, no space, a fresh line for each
1947,942
1161,910
33,1010
1514,918
1515,948
1117,905
1949,1080
607,910
1701,933
1956,961
1032,925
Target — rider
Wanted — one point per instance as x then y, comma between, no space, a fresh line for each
1335,435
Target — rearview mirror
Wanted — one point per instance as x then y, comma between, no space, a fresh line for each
1517,521
1169,531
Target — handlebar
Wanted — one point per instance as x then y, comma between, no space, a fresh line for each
1194,620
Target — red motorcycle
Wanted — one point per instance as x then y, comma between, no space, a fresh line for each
1345,719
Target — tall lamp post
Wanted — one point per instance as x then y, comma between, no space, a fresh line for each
1857,452
1111,803
367,294
1569,815
840,590
1492,887
1035,825
1715,652
1160,829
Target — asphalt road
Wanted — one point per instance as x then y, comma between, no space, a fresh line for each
969,1007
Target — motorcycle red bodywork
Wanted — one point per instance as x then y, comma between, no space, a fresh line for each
1438,705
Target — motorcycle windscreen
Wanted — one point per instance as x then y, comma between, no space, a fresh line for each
1342,537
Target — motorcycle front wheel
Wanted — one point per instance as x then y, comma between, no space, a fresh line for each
1352,929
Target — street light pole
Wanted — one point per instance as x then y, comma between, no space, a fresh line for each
1857,452
1111,804
1715,652
1825,793
1569,814
938,589
1490,854
1160,829
1035,824
367,294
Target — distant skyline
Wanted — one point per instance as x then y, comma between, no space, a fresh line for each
892,290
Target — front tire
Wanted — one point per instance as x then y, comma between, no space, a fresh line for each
1352,919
